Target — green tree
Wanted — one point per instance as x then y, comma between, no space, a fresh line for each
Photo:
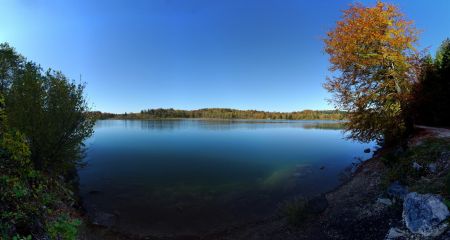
50,110
10,65
31,203
432,92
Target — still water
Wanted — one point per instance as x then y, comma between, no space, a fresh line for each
164,177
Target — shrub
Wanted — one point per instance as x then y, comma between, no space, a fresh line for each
29,199
64,227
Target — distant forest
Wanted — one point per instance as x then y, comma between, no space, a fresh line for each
224,113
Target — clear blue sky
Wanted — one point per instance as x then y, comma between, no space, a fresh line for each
189,54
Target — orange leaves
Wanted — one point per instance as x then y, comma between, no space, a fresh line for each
378,32
372,48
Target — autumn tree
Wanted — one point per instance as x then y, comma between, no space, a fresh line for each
373,58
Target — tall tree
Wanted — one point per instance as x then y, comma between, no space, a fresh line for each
373,57
432,92
49,109
10,65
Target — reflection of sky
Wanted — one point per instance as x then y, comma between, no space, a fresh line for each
148,168
217,124
222,146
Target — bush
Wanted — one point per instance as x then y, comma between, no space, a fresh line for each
63,227
401,166
48,108
29,199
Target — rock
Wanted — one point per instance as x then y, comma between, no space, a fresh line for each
395,233
397,190
297,175
317,204
432,167
425,214
367,150
384,201
416,166
301,171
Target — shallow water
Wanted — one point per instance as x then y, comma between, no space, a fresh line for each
164,177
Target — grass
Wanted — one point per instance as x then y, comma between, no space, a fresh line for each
423,180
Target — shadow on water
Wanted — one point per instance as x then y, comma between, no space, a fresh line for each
159,177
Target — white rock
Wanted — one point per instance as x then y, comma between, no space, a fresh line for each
425,214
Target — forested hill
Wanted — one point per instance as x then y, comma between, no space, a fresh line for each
225,113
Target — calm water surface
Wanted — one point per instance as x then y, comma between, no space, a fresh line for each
164,177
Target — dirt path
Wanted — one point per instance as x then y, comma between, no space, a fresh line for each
437,132
426,132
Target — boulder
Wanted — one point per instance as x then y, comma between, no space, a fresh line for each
397,190
425,214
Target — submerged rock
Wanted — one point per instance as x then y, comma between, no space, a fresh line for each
302,171
104,219
425,214
397,190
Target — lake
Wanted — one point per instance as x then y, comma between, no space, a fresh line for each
187,177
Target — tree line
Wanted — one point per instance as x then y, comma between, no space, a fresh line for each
225,113
431,101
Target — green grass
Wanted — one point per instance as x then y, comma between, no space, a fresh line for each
400,167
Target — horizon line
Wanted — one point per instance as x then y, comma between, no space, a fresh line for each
221,108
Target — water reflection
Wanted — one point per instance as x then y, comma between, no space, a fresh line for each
189,176
208,124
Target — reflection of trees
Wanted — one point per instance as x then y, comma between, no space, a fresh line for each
157,124
221,125
331,126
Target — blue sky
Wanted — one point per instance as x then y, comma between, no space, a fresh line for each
189,54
